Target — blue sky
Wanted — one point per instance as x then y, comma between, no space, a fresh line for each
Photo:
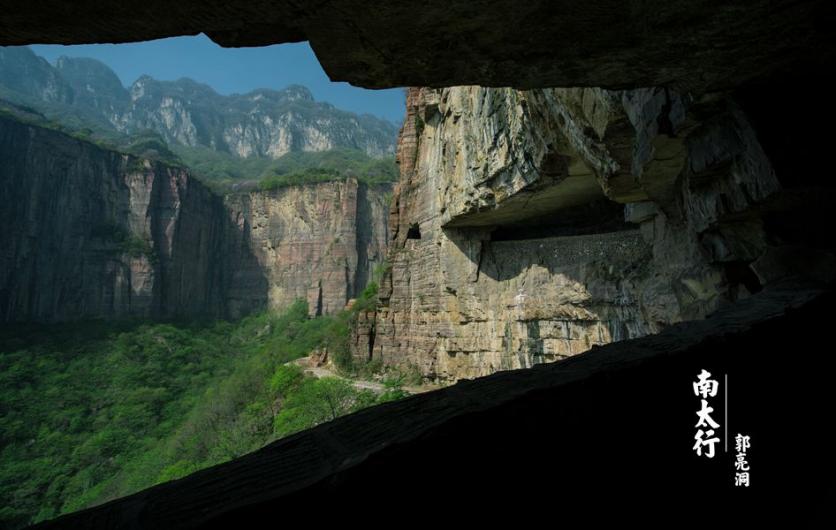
230,70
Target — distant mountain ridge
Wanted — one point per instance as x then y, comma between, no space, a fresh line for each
263,123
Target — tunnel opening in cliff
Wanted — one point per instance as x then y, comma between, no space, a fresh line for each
595,217
414,231
559,190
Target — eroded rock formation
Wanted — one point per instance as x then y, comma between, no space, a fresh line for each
89,232
317,242
531,225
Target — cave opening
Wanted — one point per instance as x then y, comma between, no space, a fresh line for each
414,231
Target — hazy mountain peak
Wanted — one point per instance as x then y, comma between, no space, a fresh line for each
297,92
86,67
32,76
94,85
260,97
264,123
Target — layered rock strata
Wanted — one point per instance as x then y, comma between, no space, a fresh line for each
531,225
318,242
92,233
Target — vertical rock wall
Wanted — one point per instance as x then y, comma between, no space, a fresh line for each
533,225
91,233
317,242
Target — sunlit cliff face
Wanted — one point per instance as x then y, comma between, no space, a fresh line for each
532,225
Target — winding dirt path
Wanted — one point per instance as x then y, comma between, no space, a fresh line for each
362,384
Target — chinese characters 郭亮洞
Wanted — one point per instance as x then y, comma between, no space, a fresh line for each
741,464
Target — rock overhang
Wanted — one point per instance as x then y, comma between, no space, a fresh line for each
696,45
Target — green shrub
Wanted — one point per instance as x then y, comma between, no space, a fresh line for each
123,240
419,125
285,378
298,166
306,176
136,246
317,401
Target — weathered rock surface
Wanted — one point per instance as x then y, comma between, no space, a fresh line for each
511,242
540,43
317,242
94,233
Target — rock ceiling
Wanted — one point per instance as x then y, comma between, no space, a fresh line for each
694,44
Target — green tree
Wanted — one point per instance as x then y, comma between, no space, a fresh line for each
317,401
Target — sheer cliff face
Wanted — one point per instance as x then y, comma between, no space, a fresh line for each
317,242
533,225
94,233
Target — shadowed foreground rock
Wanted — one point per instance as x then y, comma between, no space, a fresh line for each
539,43
606,434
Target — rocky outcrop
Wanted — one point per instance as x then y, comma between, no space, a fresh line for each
95,233
262,123
318,242
543,43
532,225
95,87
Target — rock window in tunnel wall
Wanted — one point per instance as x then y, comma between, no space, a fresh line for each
414,232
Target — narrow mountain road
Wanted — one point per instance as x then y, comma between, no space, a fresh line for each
362,384
320,372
